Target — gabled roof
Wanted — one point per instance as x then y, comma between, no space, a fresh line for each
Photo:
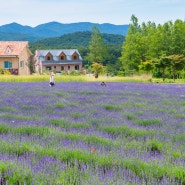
56,53
9,48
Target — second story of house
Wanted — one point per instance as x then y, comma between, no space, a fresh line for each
60,56
13,48
15,56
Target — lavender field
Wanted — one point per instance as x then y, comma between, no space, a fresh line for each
79,133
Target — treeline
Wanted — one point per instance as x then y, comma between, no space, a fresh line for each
156,49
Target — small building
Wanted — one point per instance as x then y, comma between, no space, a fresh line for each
15,57
58,60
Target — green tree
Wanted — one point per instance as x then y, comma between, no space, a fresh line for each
166,41
97,49
162,64
112,62
178,37
153,41
131,49
177,64
147,66
98,68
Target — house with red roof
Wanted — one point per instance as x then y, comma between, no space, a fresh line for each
15,57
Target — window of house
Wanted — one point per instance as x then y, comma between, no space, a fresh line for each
68,67
77,67
62,68
8,50
75,56
21,64
7,64
49,56
62,56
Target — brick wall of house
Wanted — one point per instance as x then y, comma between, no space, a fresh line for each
58,67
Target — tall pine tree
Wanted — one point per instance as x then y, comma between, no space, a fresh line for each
97,49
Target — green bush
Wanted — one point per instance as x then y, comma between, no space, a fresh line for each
182,74
75,73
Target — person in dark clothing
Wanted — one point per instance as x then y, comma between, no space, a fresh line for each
103,84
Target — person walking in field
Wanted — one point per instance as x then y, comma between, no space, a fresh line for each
52,80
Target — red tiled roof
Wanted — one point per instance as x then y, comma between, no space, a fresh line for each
9,48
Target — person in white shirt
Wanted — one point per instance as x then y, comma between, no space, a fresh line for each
52,80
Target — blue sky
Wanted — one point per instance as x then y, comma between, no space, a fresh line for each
119,12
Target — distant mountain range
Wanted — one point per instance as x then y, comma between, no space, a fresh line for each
15,31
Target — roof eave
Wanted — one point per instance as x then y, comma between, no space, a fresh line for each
8,56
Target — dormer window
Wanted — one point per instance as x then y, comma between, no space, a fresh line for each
75,56
62,56
8,50
49,56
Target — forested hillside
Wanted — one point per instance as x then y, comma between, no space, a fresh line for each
77,39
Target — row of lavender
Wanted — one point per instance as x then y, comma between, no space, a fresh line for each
83,133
